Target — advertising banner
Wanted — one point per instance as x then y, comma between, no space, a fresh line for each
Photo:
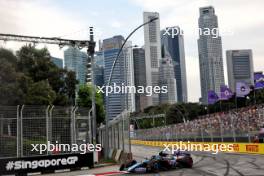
47,163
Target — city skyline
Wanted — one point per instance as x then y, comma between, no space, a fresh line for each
247,31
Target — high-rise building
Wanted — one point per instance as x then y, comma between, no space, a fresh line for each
117,102
140,77
57,61
76,60
99,68
239,67
173,41
152,53
129,75
210,53
167,78
99,58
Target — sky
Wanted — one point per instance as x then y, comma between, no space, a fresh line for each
240,21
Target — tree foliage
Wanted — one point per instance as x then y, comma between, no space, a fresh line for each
85,100
29,77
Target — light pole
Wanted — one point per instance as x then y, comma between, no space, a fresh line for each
110,79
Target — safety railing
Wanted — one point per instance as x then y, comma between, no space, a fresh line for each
118,136
24,125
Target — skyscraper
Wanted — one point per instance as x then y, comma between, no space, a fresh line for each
239,67
140,77
152,53
57,61
167,78
76,60
129,75
210,53
117,102
174,44
99,68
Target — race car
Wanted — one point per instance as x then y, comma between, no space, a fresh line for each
161,162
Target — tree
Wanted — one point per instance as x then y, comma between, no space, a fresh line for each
10,90
37,65
70,86
8,55
175,114
30,69
40,93
85,100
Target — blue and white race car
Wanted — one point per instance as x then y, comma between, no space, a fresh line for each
161,162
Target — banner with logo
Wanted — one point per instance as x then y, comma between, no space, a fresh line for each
259,80
45,163
242,89
226,93
212,97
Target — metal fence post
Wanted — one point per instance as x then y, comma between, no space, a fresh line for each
129,139
113,136
21,131
18,132
187,131
116,133
47,127
232,127
123,131
221,129
194,134
73,125
176,134
171,132
202,134
211,132
110,136
248,130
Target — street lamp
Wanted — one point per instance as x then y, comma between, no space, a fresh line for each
111,74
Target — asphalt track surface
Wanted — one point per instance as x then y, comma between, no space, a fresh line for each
209,164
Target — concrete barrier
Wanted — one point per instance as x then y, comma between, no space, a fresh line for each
118,155
110,154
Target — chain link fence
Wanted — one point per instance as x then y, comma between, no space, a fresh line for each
22,126
118,133
8,131
239,125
